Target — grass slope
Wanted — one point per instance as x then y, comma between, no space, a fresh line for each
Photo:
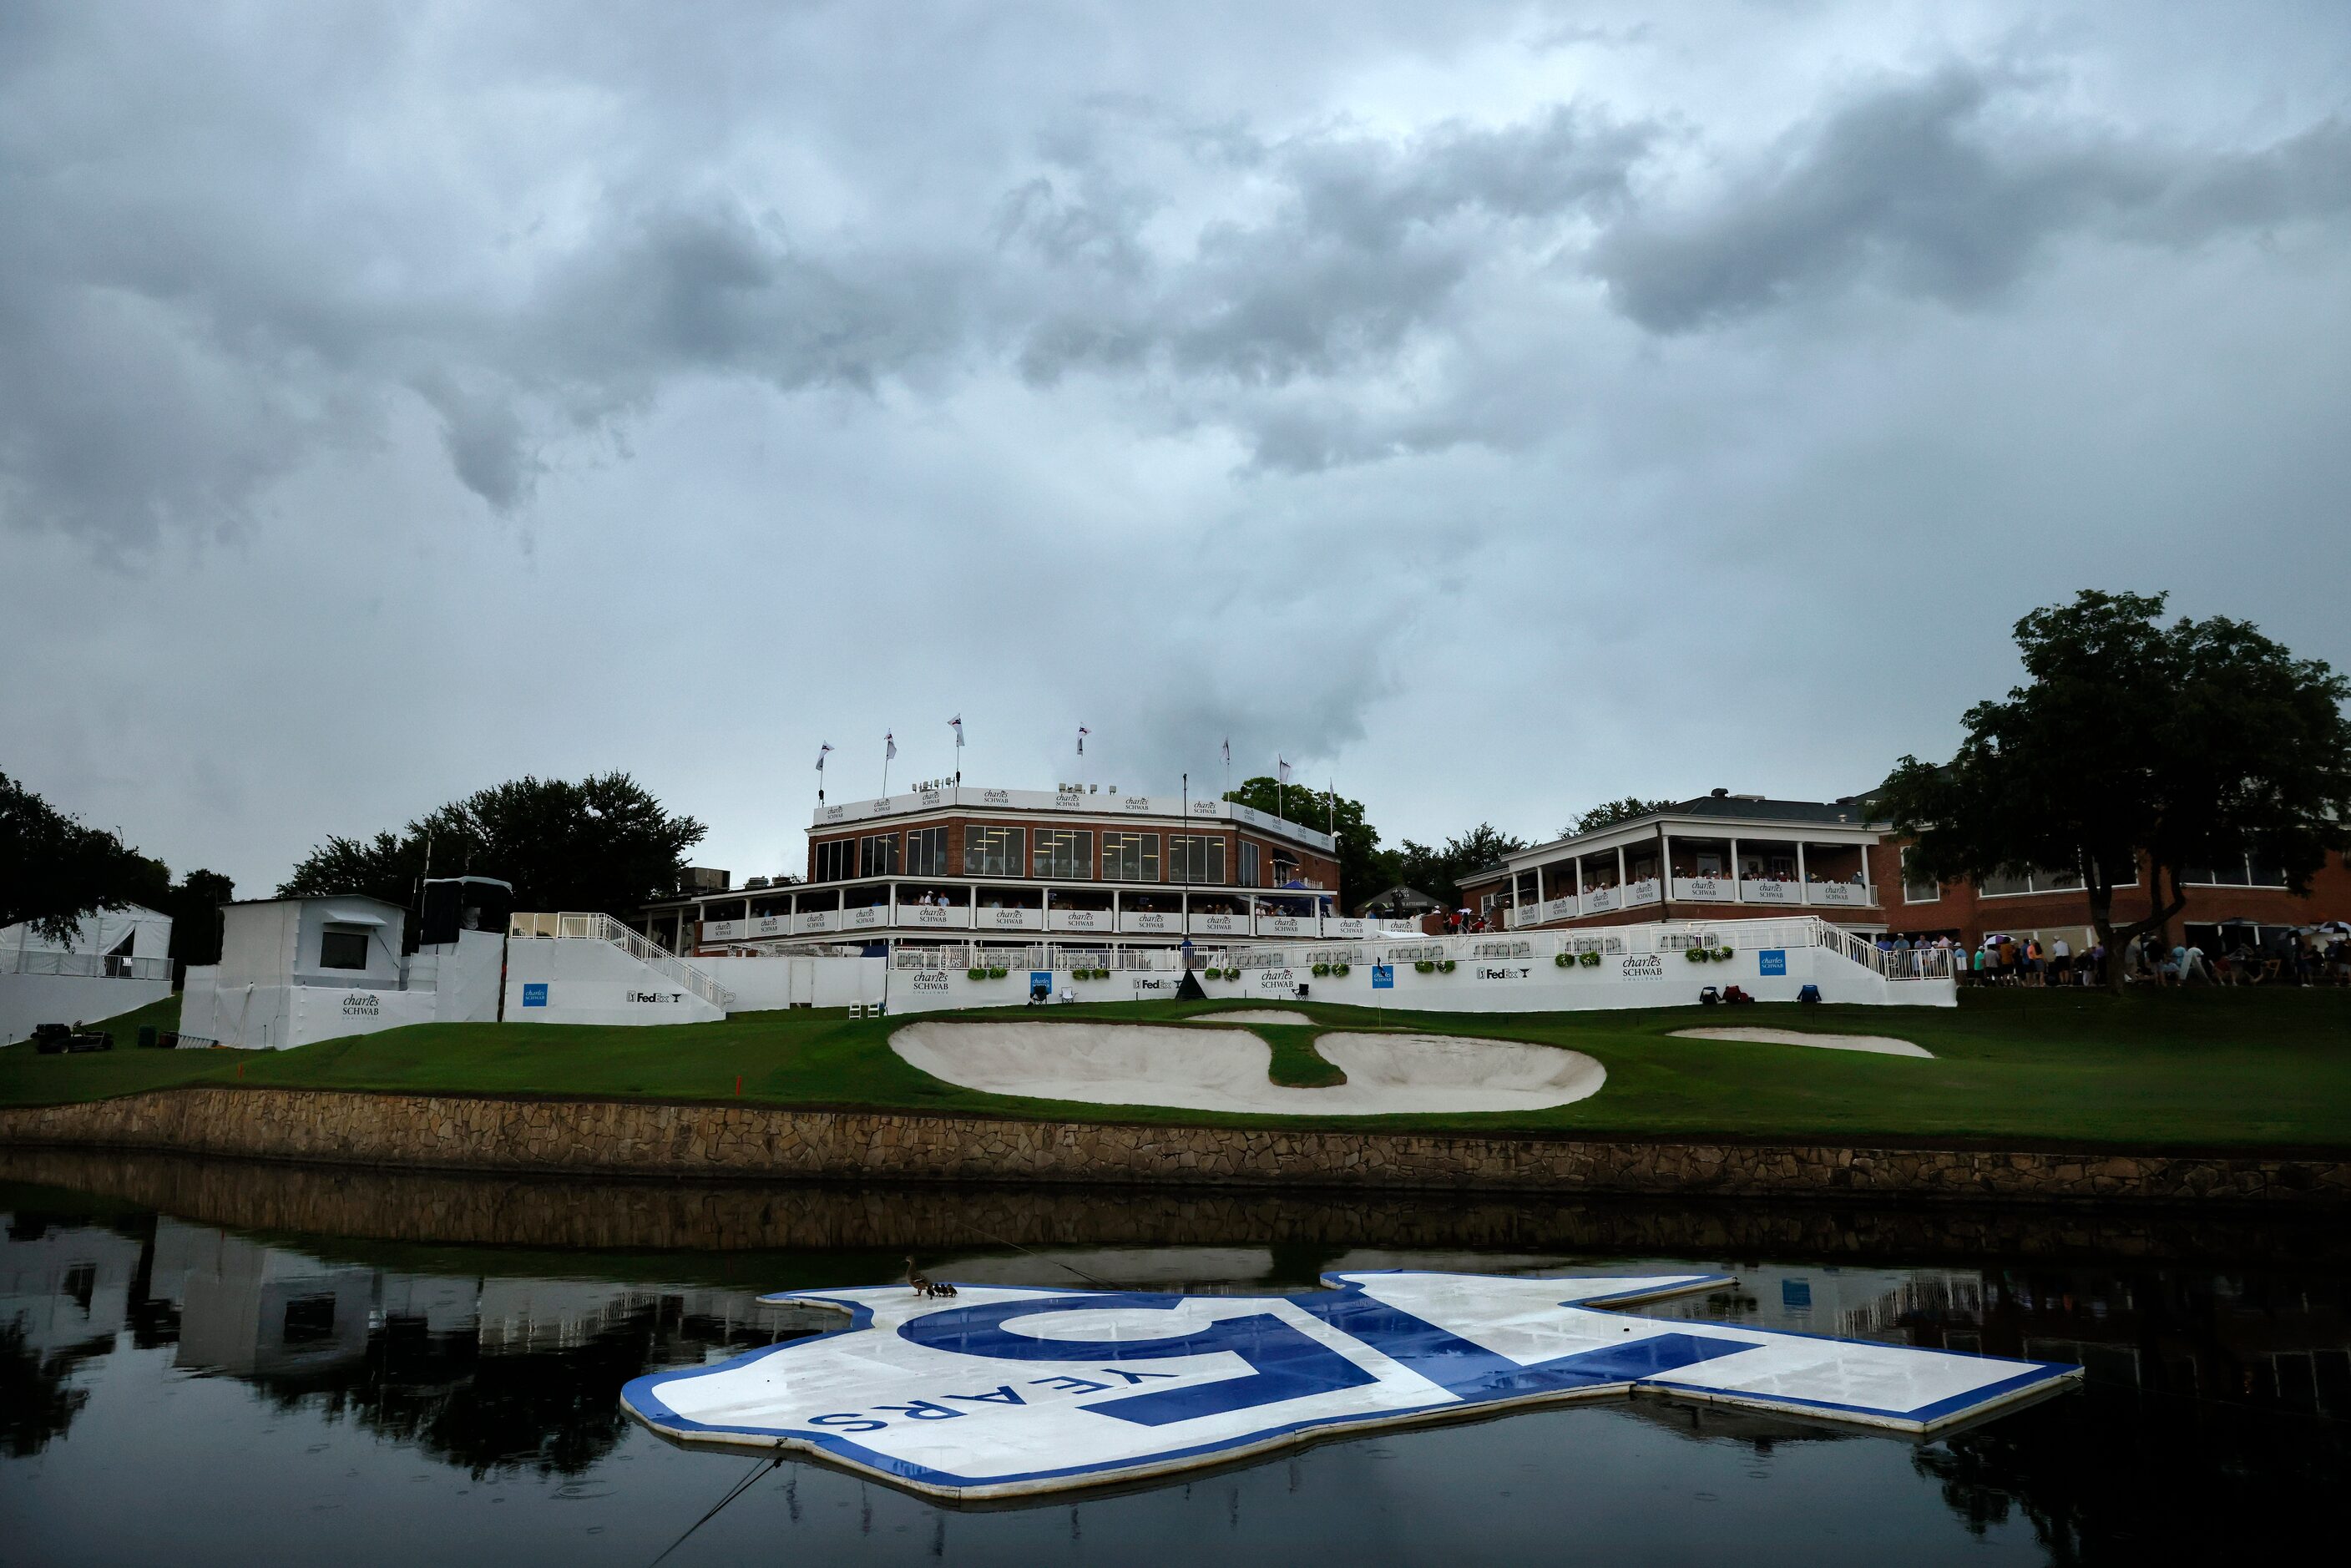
2245,1070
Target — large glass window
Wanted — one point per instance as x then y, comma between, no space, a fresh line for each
926,851
877,855
1250,876
2243,871
1196,857
995,851
1130,857
1065,853
834,862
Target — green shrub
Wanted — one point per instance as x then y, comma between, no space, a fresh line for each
1562,959
1589,960
975,974
1446,965
995,973
1424,967
1340,969
1697,955
1722,955
1321,970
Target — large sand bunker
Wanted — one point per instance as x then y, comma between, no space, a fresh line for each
1254,1015
1225,1070
1882,1045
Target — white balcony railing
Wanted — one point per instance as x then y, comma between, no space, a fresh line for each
1008,920
1757,889
93,965
1600,900
1837,895
1289,926
636,944
1217,924
1091,920
1151,922
935,917
1705,890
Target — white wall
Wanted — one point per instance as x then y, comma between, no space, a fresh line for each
579,980
26,1001
763,984
1475,986
277,1018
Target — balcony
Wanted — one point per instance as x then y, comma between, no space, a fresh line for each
1099,921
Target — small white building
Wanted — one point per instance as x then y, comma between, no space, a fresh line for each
295,970
113,961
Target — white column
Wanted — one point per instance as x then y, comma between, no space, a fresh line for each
1664,868
1803,889
1620,872
1540,899
1737,872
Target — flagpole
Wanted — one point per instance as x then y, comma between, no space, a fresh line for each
888,746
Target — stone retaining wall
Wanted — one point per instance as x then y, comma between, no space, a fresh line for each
636,1137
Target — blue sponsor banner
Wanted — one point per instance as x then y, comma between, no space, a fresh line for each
1771,961
1383,976
534,993
1041,978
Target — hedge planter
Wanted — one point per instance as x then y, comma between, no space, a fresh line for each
1589,960
1697,954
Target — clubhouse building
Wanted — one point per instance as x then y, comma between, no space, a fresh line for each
958,864
1724,856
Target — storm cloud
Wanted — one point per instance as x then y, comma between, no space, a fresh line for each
1437,401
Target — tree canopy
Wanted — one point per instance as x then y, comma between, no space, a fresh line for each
1437,870
2134,743
54,870
604,844
1608,814
1359,842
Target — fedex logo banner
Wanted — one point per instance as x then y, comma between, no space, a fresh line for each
1001,1391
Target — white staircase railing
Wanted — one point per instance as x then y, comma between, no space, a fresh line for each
596,927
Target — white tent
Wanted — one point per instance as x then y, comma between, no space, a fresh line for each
111,962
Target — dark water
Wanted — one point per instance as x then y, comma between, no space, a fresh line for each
222,1362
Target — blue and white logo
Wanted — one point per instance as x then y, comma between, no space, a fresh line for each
1383,976
1005,1392
534,993
1771,961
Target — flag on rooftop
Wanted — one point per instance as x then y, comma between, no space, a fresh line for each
889,744
1083,733
956,724
821,752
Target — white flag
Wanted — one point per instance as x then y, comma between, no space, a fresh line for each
821,752
956,724
889,746
1228,748
1083,733
1281,770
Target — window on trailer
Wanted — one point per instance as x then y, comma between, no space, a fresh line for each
343,947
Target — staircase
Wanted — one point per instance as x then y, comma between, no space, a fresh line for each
636,944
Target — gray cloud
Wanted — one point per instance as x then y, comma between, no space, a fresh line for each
1936,186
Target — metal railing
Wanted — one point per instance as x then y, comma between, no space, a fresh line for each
598,927
83,966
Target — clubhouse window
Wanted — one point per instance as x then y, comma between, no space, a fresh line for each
1064,853
1196,857
835,862
877,855
995,851
926,851
2243,871
1130,857
2040,879
1248,864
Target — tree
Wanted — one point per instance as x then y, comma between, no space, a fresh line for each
603,844
1438,872
1359,842
195,905
1609,813
2136,745
54,870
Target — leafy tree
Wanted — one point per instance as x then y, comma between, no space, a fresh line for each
1359,842
195,905
54,870
603,844
2137,744
1609,813
1438,871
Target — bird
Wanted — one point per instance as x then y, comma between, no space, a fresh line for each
926,1287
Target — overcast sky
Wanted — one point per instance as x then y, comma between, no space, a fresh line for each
1494,408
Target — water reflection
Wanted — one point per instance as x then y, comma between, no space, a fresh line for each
2220,1382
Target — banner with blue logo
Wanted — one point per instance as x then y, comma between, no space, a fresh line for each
534,993
1771,961
1002,1391
1383,976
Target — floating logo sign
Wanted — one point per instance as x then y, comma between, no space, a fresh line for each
1002,1392
1771,961
534,993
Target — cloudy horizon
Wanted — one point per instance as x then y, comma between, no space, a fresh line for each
1492,409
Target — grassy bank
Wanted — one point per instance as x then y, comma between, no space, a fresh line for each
2250,1070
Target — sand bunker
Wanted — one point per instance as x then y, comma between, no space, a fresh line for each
1882,1045
1252,1015
1225,1070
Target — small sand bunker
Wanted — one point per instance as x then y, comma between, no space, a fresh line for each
1225,1070
1882,1045
1253,1015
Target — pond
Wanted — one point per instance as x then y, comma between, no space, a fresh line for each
219,1361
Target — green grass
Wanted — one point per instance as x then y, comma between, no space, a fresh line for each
2234,1070
1296,1063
